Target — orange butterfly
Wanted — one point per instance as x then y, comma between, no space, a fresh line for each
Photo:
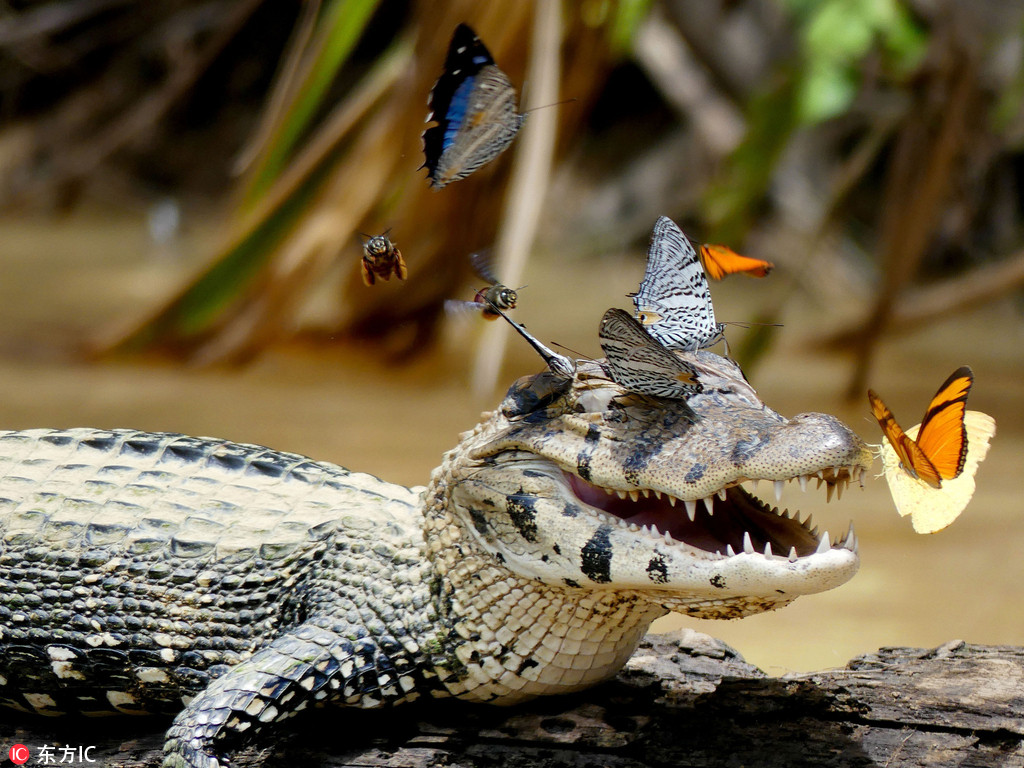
720,261
940,450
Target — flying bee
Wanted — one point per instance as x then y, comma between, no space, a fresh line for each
498,295
490,296
381,258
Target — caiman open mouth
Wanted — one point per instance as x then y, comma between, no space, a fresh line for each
730,522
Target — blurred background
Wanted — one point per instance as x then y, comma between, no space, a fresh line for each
183,184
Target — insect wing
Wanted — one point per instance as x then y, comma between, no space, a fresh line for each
482,263
909,454
674,300
943,436
398,265
932,509
474,106
457,307
367,272
938,449
640,363
720,261
951,440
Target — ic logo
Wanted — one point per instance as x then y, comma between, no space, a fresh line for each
19,754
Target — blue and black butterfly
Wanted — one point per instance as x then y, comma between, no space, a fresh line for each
474,106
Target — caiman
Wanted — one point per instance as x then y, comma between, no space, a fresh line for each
237,585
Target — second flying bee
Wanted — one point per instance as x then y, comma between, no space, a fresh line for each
381,258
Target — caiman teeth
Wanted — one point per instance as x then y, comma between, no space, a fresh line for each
850,542
736,522
691,509
824,545
779,485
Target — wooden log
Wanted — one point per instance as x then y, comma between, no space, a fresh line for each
684,699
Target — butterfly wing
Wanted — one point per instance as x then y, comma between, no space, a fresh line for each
932,509
466,56
674,300
907,452
641,364
943,436
720,261
474,105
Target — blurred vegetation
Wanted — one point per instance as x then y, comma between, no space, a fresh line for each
870,148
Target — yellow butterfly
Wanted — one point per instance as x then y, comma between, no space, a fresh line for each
930,468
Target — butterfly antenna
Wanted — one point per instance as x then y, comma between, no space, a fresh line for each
545,106
577,353
560,365
750,324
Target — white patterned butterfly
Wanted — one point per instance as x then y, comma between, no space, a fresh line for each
674,300
642,364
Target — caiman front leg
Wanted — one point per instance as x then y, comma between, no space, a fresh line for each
318,661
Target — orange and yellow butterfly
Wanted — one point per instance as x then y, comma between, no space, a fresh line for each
930,468
720,261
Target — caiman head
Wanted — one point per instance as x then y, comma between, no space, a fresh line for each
576,483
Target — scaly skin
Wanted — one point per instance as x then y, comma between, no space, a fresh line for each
143,572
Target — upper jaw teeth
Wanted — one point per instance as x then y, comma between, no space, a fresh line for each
835,478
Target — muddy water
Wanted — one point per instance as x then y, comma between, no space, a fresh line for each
62,282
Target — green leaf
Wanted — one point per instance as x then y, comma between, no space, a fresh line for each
825,91
338,30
